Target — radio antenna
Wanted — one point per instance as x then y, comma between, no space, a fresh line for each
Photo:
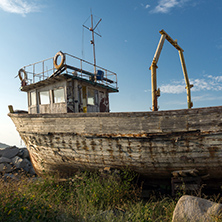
92,29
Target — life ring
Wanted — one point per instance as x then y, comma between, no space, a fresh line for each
63,58
20,75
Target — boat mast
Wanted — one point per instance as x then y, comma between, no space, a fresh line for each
92,29
93,43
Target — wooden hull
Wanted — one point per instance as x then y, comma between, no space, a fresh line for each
151,143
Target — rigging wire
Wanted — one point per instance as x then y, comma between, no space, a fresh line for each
98,30
86,20
83,56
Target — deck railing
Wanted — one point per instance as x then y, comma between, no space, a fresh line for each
73,65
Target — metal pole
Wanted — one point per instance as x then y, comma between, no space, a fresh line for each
93,42
33,73
154,86
188,86
155,91
159,48
43,69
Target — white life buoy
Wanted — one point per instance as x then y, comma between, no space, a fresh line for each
20,72
56,58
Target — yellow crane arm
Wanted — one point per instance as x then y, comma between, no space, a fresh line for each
153,67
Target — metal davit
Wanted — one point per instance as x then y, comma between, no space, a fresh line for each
153,67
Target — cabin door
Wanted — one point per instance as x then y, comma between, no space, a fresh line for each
84,99
80,103
103,102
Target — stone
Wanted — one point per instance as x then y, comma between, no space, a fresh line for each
18,162
23,153
12,159
6,168
195,209
10,176
5,160
10,152
32,171
26,153
3,145
2,150
26,165
2,165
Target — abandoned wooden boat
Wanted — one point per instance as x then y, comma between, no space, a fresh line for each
69,127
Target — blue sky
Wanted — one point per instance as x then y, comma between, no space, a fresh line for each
37,29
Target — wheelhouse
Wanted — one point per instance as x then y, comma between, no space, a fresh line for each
69,88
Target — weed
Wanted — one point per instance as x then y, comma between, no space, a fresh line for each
87,196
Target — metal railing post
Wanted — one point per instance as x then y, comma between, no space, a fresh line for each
43,69
33,73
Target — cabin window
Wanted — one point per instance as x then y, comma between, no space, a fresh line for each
32,98
44,97
91,97
58,95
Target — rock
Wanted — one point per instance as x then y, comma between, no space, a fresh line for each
26,163
32,171
195,209
5,160
6,168
18,162
21,163
3,145
23,153
10,176
10,152
26,153
15,160
1,151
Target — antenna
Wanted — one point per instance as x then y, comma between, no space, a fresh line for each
92,29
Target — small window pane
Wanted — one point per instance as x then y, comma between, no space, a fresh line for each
91,97
44,97
59,96
33,98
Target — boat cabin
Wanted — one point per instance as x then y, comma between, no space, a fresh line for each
69,88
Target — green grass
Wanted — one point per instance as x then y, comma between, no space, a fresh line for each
85,197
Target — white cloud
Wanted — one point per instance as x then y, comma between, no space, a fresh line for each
18,6
145,6
213,83
172,88
216,78
164,6
206,97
